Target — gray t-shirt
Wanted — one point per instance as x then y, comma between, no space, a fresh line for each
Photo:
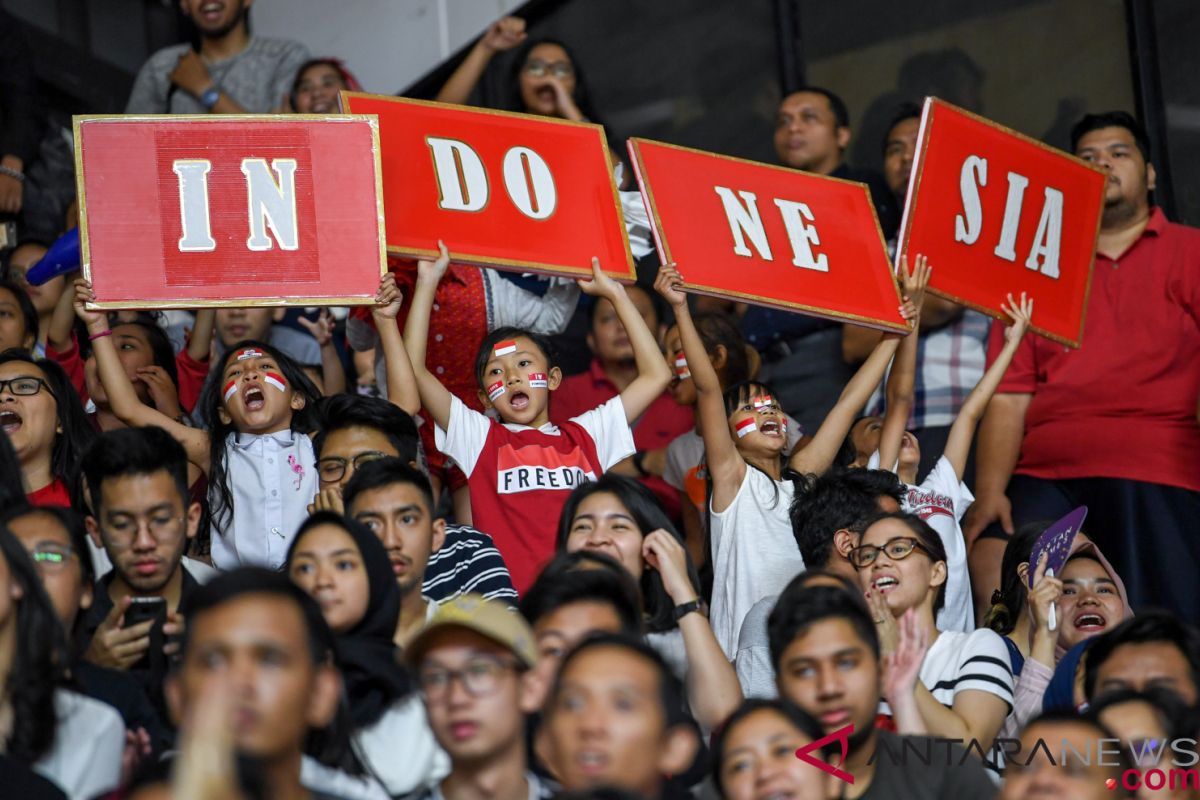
755,672
256,78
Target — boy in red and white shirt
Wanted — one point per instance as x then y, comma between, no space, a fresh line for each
520,470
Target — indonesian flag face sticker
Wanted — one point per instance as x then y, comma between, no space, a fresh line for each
276,380
762,401
250,352
504,348
537,380
495,390
681,367
230,390
745,427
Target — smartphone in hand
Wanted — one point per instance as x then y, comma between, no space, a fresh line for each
144,609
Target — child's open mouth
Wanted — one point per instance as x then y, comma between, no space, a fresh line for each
769,427
519,401
9,421
254,399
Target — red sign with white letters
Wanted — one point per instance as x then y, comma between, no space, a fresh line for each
768,235
504,190
230,210
996,212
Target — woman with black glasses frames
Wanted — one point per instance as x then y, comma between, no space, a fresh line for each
42,416
939,683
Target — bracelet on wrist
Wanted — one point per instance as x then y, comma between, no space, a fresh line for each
683,609
15,174
99,335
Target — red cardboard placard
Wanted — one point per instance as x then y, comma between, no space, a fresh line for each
768,235
188,211
511,191
997,212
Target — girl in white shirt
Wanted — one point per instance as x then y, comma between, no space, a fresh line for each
69,739
938,683
753,551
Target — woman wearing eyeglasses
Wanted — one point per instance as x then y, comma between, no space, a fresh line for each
938,683
42,416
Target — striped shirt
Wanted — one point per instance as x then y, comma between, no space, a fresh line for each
959,662
467,561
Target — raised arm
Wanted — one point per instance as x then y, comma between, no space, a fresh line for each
902,380
503,34
200,341
724,463
653,374
122,398
62,320
958,442
401,382
435,397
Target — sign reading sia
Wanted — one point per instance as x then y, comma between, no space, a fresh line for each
503,190
997,212
768,235
240,210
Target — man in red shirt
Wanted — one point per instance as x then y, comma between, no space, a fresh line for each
1112,425
613,368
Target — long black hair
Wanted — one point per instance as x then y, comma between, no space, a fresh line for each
12,492
75,434
210,403
1008,602
582,95
39,663
29,313
649,517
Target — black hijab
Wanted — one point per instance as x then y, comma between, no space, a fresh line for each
369,660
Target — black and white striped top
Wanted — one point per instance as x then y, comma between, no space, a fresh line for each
467,561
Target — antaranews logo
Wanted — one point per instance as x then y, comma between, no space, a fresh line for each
842,737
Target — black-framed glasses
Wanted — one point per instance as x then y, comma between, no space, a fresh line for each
540,69
896,549
331,469
479,677
51,556
24,385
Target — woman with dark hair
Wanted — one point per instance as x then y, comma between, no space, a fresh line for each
18,318
758,745
46,424
346,569
620,517
12,492
938,683
73,740
318,81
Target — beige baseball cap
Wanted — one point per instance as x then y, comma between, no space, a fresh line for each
489,618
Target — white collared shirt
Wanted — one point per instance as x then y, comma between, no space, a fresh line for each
273,478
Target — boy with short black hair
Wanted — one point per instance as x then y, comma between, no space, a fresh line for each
524,466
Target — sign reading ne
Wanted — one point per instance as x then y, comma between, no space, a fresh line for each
183,211
768,235
997,212
503,190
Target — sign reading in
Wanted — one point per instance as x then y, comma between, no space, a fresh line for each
190,211
502,190
768,235
997,212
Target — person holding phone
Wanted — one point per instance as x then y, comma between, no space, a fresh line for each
143,518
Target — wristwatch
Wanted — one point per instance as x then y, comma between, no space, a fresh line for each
210,97
683,609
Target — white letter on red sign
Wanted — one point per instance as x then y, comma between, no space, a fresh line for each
1049,235
193,206
1012,217
802,236
529,183
973,169
271,204
462,181
743,221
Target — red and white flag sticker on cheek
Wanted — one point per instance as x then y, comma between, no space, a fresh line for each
273,379
745,427
495,390
681,367
230,390
537,380
250,352
504,348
